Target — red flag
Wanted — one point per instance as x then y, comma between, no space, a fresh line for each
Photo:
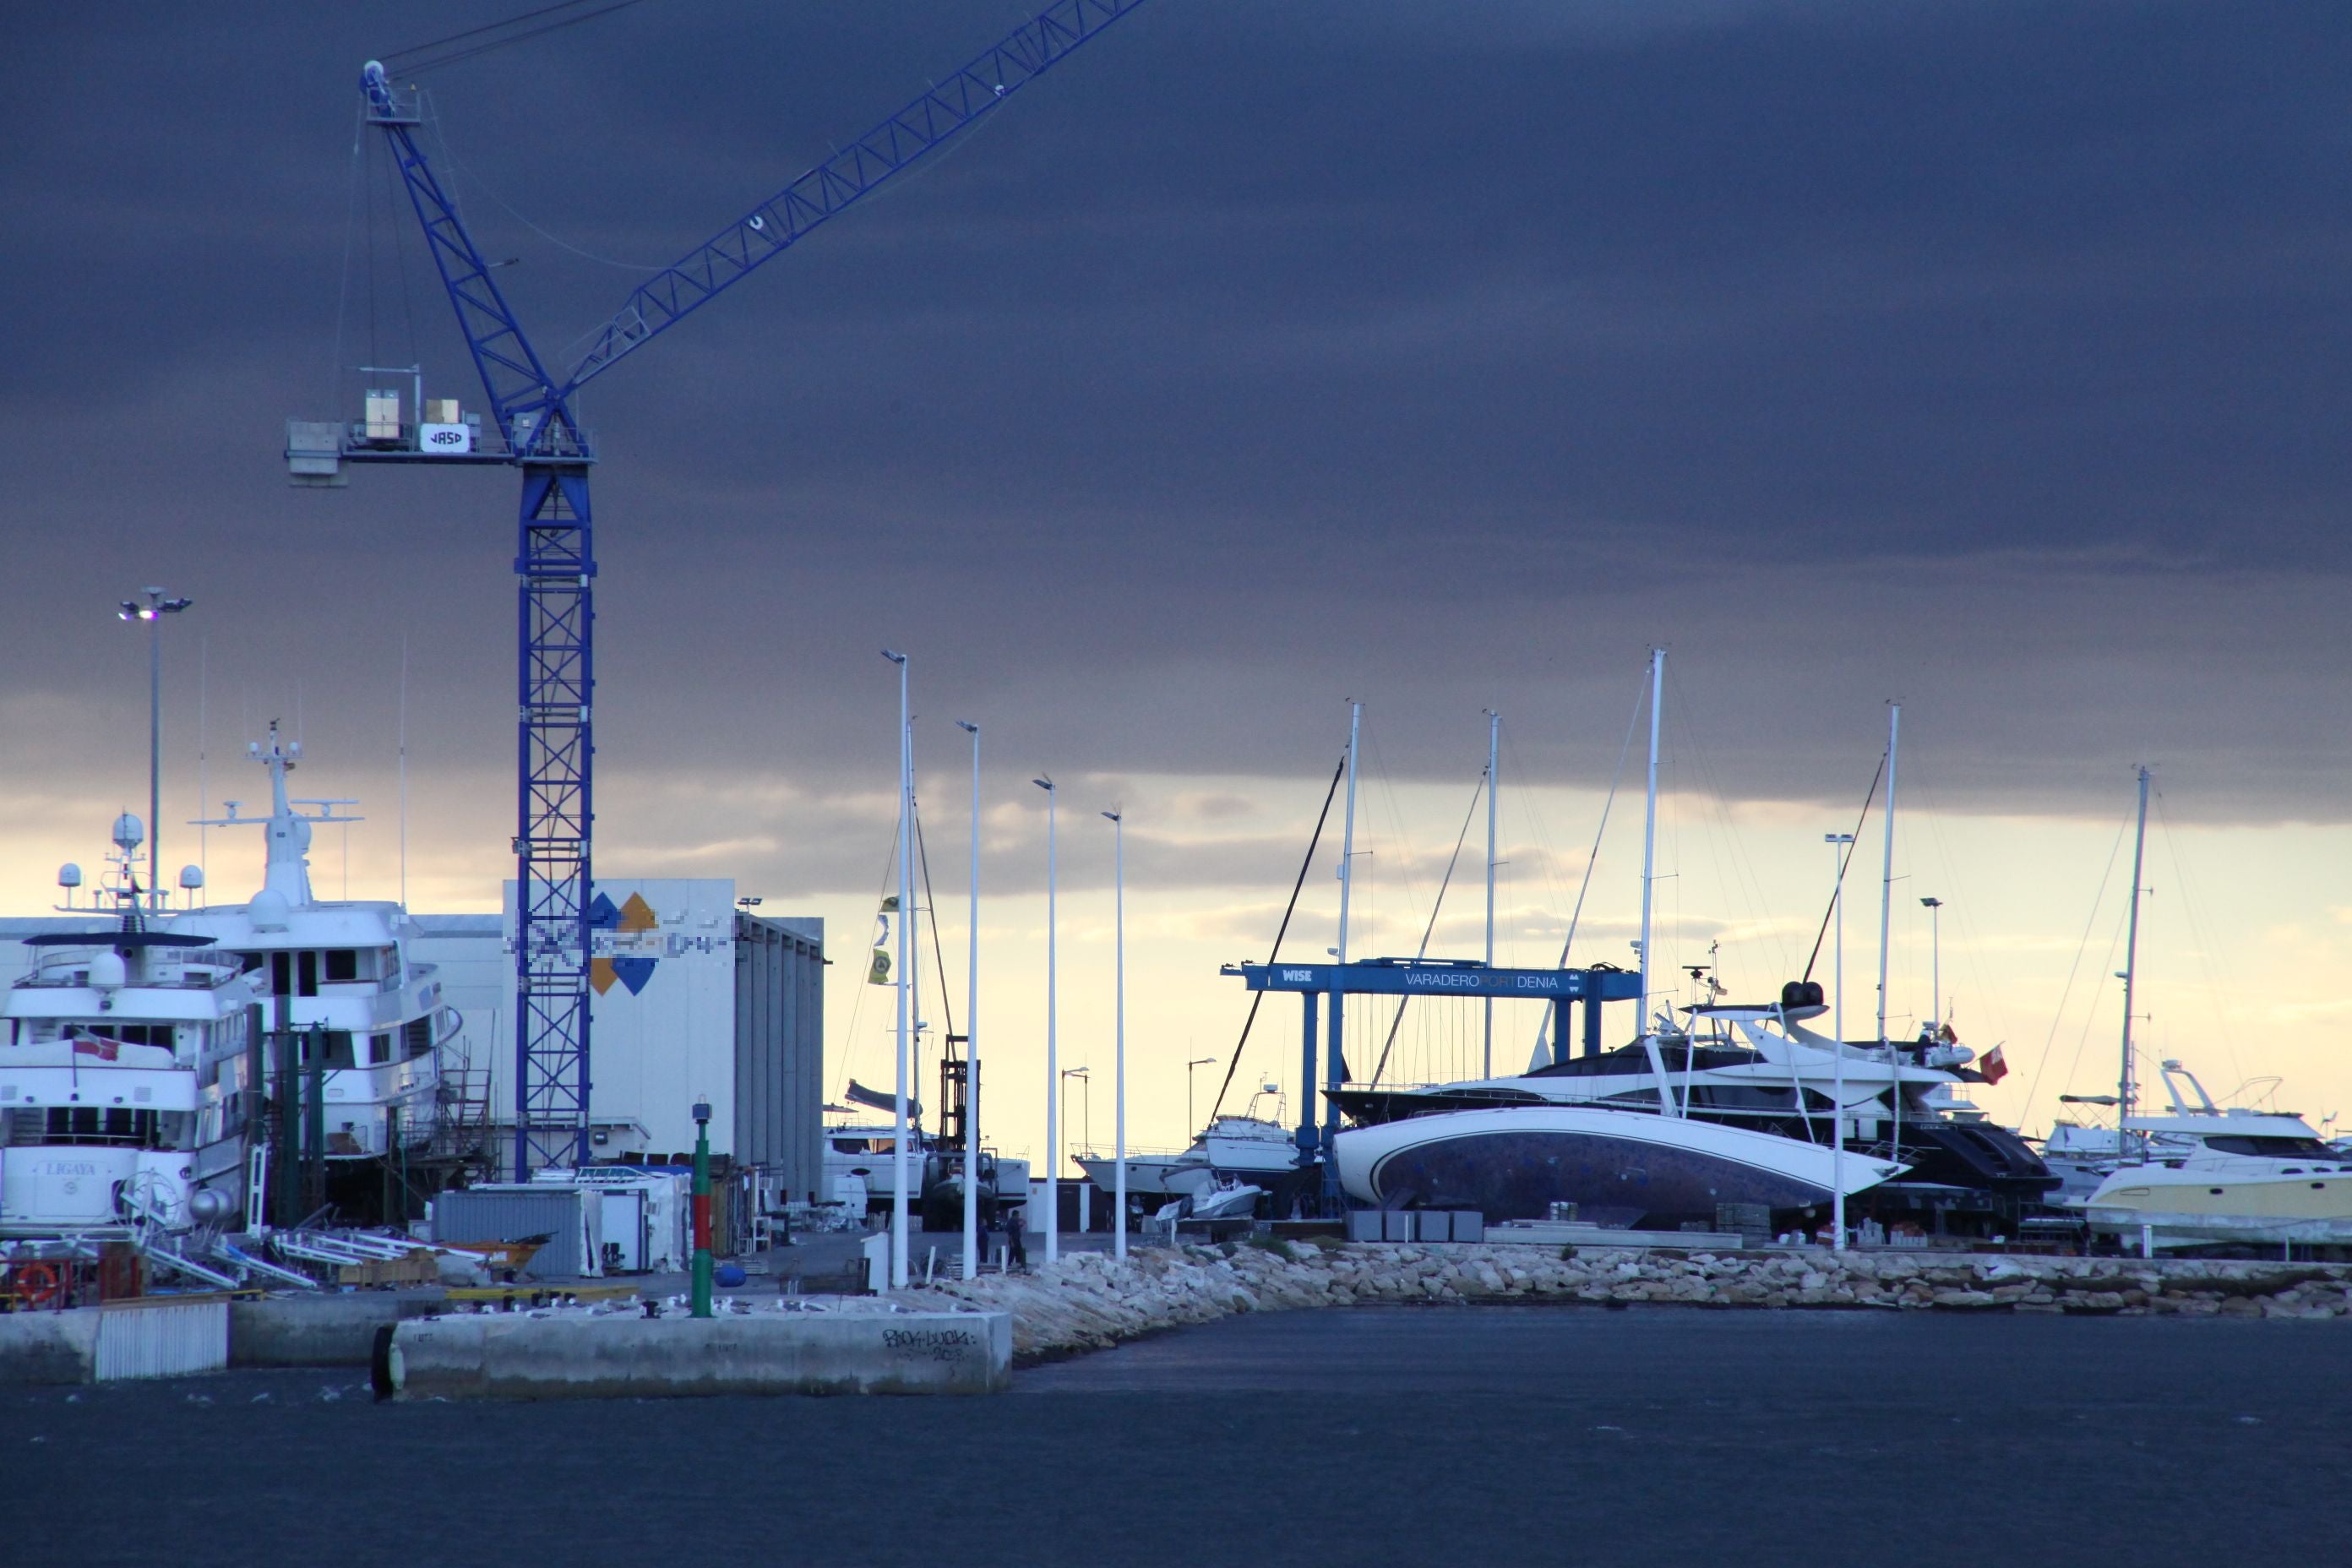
104,1051
1993,1068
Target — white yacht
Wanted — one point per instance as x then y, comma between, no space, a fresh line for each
861,1172
339,974
861,1162
124,1074
1244,1148
2205,1173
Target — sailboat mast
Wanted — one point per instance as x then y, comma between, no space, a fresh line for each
1885,916
1647,1035
1494,744
2131,969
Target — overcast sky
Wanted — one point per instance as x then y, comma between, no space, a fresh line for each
1991,357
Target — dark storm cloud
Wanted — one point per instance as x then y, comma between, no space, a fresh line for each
1985,355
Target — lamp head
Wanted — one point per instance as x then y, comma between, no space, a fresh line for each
1112,815
967,727
1932,903
1045,784
894,658
701,1112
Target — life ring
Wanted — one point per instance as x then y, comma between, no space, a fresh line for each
35,1284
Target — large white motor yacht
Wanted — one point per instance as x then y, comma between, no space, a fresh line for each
124,1073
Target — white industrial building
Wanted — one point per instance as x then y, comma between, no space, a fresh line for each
691,998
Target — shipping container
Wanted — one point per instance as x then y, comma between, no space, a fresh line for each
569,1218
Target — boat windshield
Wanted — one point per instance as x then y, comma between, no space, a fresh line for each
2270,1148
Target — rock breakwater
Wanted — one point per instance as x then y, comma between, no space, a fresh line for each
1089,1301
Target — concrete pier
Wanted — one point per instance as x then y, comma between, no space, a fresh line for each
584,1356
50,1347
319,1329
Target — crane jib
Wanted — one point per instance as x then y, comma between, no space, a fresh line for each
942,111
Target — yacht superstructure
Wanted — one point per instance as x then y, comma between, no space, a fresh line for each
338,976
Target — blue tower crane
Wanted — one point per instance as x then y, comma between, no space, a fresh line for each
531,427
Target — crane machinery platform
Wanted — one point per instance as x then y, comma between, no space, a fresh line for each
528,422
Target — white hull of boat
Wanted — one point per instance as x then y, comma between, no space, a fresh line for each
1619,1167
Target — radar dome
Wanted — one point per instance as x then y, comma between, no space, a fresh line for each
128,833
192,877
68,874
268,909
108,972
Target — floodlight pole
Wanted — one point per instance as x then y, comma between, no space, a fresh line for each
1494,744
899,1163
1838,843
152,611
972,1037
1052,1194
1119,1071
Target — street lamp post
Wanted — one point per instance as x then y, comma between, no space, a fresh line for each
152,611
1085,1104
1838,843
1935,908
1052,1215
1118,1069
1190,1126
899,1178
972,1036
